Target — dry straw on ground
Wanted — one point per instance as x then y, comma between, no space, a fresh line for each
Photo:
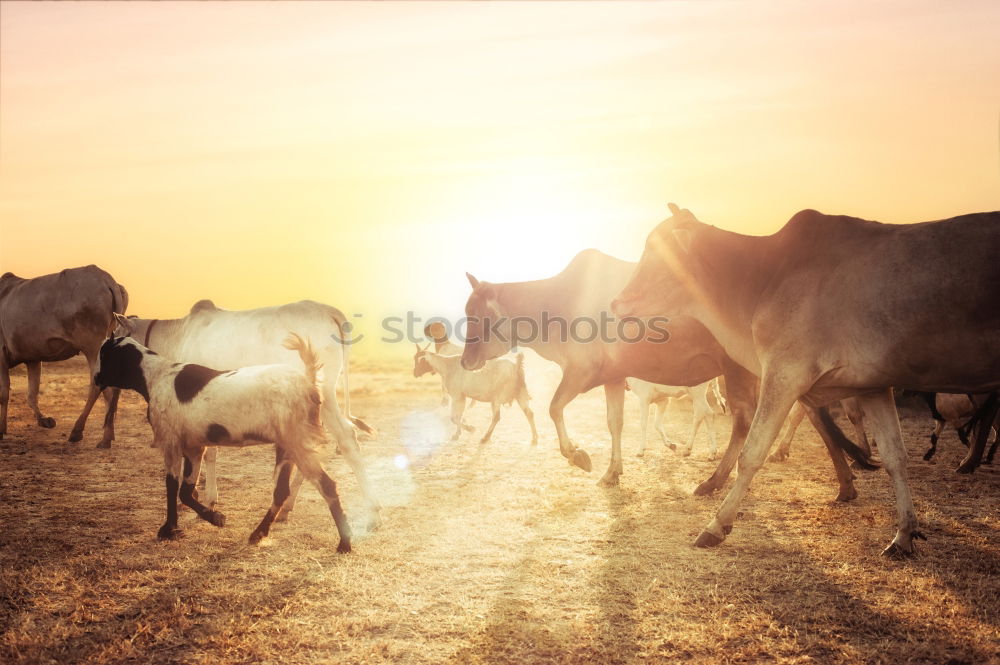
489,554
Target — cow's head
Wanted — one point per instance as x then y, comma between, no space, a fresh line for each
666,281
124,325
420,364
488,332
119,365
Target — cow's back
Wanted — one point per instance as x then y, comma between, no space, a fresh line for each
230,339
53,317
896,300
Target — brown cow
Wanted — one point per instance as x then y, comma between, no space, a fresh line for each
582,292
55,317
833,306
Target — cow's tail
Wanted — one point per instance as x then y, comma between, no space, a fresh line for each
312,367
119,303
345,345
845,444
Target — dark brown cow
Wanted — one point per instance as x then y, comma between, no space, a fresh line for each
834,306
582,292
55,317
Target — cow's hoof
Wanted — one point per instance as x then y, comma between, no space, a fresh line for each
685,452
968,466
256,536
641,454
672,446
374,522
581,459
215,518
169,533
846,495
47,423
610,479
103,444
708,539
75,436
777,456
282,516
344,547
534,442
897,551
707,488
483,440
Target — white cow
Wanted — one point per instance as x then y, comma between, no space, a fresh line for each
660,395
830,307
225,339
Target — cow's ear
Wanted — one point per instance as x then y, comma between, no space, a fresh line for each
124,324
674,208
473,281
683,238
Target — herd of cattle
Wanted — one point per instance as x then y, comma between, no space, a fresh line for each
827,309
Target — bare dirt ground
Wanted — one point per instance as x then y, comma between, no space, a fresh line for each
499,553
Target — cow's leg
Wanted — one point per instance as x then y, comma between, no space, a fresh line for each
570,386
347,444
643,418
172,468
4,393
710,425
857,418
661,414
794,420
880,413
286,509
778,394
993,448
111,396
522,401
614,394
211,481
935,435
457,410
282,471
975,456
696,419
843,470
34,383
741,394
192,468
76,434
308,463
495,406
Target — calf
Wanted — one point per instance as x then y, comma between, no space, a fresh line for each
192,407
660,395
500,381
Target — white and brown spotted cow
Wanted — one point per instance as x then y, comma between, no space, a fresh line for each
52,318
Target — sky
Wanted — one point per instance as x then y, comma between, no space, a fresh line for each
368,154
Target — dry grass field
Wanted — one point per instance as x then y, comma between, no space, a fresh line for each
488,554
